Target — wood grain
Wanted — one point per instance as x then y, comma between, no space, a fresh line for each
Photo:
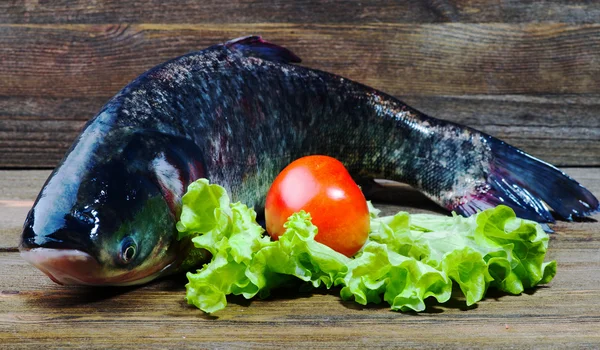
34,312
439,59
531,84
302,11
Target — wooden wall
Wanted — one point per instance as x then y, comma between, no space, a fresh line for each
525,71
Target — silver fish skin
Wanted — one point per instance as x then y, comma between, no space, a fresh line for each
237,113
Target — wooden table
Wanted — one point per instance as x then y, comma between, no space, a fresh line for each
35,312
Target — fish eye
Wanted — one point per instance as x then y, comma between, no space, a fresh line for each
128,250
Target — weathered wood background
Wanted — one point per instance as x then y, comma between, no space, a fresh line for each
525,71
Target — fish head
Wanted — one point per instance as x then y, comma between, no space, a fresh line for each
110,221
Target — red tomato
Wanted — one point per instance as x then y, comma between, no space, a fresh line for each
321,186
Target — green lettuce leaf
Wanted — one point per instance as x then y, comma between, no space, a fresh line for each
407,258
492,248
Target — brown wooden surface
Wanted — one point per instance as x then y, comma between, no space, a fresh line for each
525,71
35,312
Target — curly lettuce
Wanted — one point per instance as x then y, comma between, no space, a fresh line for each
407,258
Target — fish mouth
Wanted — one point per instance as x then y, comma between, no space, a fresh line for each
74,267
64,266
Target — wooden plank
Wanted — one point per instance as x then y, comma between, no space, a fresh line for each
80,108
443,59
563,130
304,11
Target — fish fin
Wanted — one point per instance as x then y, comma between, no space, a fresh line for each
539,213
255,46
173,162
529,186
501,191
169,177
559,191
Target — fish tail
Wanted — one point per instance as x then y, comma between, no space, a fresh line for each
529,186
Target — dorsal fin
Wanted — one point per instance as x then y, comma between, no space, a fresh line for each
255,46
